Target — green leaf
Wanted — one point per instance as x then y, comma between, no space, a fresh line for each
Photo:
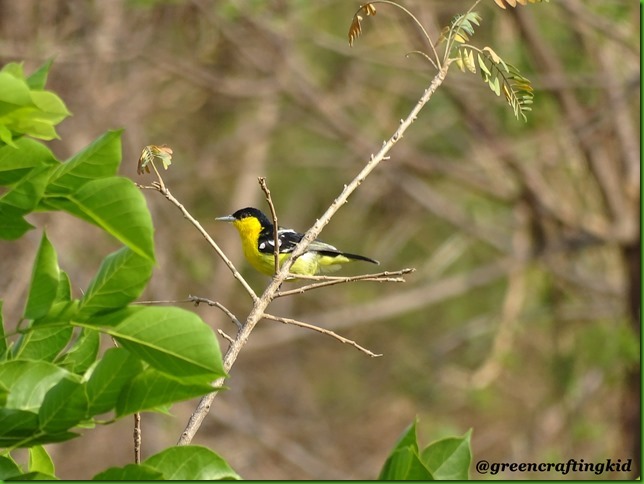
170,339
404,461
61,313
42,343
16,426
115,205
64,292
190,462
19,428
119,281
152,388
38,79
100,159
450,458
44,281
6,136
28,382
64,406
13,90
405,465
12,223
131,472
15,162
8,468
25,195
83,353
40,461
115,370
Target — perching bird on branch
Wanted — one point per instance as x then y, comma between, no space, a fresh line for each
258,242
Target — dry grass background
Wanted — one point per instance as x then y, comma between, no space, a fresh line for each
521,321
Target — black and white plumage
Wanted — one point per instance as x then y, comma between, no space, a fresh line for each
258,242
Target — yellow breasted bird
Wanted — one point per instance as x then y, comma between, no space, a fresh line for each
258,242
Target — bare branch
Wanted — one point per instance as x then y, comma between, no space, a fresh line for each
137,438
328,332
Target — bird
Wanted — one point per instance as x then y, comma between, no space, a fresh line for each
256,232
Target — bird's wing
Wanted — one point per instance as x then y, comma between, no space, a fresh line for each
288,239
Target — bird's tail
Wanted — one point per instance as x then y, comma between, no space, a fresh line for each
331,253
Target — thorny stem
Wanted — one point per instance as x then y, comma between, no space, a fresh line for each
269,294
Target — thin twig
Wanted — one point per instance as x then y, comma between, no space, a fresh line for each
137,438
331,280
328,332
262,303
225,336
276,240
198,300
436,64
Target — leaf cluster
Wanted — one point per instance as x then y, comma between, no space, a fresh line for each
445,459
53,377
499,75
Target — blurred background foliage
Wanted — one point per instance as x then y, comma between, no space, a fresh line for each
522,319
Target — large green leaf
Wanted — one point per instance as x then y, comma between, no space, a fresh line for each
131,472
100,159
22,198
8,468
42,343
27,192
83,353
115,370
16,426
170,339
20,428
12,223
40,461
115,205
64,406
13,90
190,463
404,462
44,281
15,162
450,458
28,381
119,281
152,388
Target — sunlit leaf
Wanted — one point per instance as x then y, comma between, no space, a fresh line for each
44,281
189,463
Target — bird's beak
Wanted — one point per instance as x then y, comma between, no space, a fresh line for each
227,218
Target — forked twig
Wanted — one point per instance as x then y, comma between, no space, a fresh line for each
328,332
198,300
386,276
